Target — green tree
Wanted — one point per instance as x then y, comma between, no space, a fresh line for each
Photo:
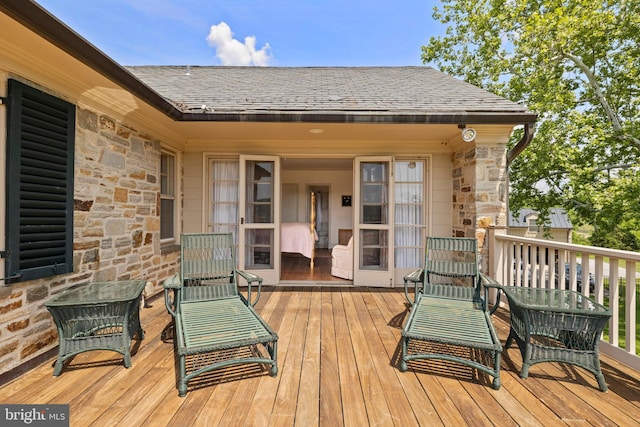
577,64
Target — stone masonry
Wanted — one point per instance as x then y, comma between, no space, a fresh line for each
116,232
479,190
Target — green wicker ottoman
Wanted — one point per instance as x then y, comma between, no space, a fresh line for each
97,316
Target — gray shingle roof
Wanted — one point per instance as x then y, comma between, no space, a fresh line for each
558,218
391,90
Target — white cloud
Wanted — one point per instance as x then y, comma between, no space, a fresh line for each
233,52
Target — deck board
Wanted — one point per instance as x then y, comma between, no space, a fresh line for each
309,390
378,411
330,396
337,358
353,406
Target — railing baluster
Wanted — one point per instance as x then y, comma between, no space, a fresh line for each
598,291
614,298
630,307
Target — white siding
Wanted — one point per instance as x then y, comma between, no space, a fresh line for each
441,204
194,194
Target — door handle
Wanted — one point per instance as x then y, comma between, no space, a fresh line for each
241,221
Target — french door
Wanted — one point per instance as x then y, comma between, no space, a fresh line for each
373,222
259,208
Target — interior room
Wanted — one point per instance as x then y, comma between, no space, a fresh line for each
331,182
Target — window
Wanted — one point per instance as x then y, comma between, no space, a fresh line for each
532,225
167,195
40,160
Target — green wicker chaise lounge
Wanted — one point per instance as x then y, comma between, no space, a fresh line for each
449,319
215,325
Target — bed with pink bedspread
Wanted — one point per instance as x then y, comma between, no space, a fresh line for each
296,237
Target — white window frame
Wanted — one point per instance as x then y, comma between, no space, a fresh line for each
172,178
532,224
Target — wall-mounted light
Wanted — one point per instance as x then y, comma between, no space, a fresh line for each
468,134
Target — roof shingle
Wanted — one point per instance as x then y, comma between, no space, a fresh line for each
319,89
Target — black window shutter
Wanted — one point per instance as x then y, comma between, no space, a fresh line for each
40,160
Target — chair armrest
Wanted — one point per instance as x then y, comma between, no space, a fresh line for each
340,250
416,277
250,278
490,282
173,282
171,288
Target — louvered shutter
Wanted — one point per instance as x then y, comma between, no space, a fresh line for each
40,158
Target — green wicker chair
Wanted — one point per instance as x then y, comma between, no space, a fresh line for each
215,325
449,319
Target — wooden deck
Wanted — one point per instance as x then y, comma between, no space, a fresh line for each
337,357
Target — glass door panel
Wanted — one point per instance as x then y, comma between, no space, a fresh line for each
375,248
259,249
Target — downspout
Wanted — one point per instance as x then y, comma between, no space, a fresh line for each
521,145
495,264
515,152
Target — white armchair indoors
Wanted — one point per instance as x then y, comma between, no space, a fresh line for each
342,260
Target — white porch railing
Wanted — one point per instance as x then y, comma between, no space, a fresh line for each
611,275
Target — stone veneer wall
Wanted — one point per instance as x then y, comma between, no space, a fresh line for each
479,191
116,232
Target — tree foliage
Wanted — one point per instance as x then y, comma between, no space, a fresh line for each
577,64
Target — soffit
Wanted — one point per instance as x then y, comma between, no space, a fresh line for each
28,57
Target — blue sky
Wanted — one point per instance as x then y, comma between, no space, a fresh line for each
253,32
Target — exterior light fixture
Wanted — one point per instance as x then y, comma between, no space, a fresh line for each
315,130
468,134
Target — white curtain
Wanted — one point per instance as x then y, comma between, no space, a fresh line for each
224,197
409,213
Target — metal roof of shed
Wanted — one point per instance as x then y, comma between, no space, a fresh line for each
558,219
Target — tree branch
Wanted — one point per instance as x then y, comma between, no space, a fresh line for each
596,89
619,166
615,121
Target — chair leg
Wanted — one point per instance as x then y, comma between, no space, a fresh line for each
403,362
182,382
273,351
496,378
599,376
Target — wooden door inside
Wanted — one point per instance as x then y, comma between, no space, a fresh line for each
322,215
